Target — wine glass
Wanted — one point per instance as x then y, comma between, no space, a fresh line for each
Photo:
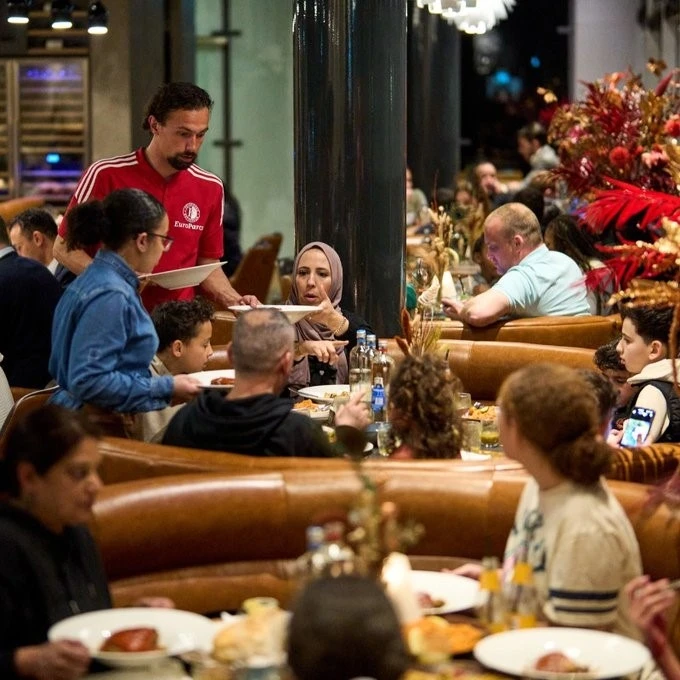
421,276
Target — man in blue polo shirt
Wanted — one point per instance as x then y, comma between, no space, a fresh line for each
535,281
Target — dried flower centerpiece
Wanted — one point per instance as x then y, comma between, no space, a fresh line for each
420,335
376,531
443,255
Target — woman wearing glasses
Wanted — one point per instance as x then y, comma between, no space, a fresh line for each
103,339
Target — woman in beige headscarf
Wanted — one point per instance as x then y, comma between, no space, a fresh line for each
325,338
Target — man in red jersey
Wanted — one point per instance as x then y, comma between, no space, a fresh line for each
177,118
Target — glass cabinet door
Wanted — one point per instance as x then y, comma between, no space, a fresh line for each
52,146
5,188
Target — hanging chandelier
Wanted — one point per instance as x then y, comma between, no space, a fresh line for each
471,16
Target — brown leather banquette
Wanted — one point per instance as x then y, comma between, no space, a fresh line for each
211,540
481,365
571,331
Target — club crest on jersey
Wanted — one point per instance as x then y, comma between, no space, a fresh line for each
191,213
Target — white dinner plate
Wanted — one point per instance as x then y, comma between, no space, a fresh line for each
178,632
323,394
182,278
206,377
607,655
294,313
457,592
471,455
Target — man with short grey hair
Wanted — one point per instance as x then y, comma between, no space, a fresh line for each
253,419
534,281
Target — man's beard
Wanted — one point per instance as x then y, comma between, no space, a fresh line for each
179,163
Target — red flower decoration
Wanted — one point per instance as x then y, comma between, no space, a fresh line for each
672,126
619,157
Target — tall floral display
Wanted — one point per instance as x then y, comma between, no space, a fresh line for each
619,155
619,130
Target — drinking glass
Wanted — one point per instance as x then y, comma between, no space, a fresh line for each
489,435
421,276
383,432
471,435
463,402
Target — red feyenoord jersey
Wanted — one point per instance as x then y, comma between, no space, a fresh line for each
193,199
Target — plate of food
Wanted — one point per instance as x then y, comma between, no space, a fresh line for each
294,313
136,636
222,379
442,593
562,653
482,412
313,410
182,278
433,639
325,394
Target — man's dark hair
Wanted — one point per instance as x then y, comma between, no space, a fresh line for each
35,219
176,97
534,131
532,198
606,357
651,323
180,320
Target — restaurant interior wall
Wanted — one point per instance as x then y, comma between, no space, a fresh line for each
257,69
606,38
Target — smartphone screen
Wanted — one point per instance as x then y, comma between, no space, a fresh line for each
637,427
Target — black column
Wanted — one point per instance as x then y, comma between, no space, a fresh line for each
434,66
350,145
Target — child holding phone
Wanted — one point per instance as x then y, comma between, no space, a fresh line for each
644,349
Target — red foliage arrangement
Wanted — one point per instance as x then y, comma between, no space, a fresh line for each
619,130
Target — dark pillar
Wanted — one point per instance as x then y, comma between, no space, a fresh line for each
350,145
434,67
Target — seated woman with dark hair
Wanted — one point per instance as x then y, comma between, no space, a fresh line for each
345,628
563,235
324,339
103,339
422,409
51,567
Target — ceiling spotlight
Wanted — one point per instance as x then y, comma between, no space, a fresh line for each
61,14
17,11
97,18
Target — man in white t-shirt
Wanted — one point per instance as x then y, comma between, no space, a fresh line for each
535,281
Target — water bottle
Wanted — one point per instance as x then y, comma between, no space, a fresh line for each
378,401
521,597
382,366
310,564
490,607
359,365
335,556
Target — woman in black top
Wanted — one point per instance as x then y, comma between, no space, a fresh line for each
325,338
51,567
